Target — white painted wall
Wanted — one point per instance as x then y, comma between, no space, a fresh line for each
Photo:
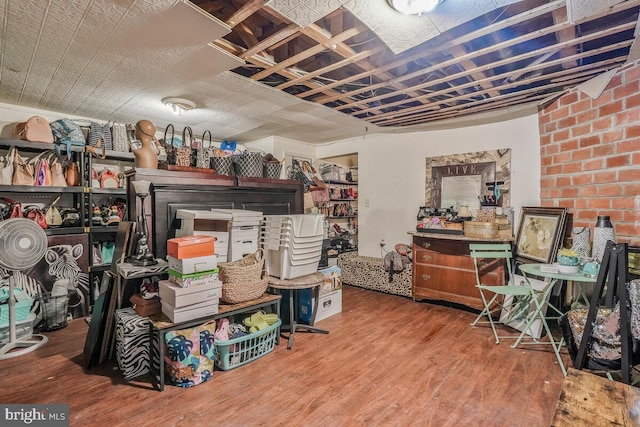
391,172
391,167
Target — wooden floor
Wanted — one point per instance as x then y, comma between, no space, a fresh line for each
387,361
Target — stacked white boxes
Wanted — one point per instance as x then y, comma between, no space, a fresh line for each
293,244
206,223
243,233
193,289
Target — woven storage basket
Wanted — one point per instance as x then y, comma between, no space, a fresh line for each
222,165
272,170
248,164
234,293
245,270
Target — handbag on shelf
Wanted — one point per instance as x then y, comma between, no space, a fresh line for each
119,137
34,213
43,174
313,177
52,214
6,170
67,133
169,148
36,129
22,170
70,217
100,135
9,208
183,153
109,179
72,174
203,157
57,174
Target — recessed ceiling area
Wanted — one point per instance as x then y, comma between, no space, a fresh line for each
309,70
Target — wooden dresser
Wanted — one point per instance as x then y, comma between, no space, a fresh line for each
443,269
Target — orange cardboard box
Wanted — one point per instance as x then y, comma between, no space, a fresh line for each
190,246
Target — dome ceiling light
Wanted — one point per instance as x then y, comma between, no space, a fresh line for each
179,105
414,7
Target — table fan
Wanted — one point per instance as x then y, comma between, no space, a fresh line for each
23,243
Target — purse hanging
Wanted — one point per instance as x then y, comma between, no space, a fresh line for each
204,154
183,153
22,171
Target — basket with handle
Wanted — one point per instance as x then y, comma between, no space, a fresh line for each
248,269
234,293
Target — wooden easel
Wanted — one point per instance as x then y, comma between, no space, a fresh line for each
614,270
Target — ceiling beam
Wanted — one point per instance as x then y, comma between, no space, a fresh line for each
248,9
437,48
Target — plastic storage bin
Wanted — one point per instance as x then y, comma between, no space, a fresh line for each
23,305
240,351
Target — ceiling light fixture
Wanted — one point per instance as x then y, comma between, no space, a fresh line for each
414,7
179,105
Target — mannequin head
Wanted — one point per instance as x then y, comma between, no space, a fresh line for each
145,129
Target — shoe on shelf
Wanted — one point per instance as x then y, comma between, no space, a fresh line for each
96,217
148,289
114,218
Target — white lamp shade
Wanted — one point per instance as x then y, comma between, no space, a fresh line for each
141,187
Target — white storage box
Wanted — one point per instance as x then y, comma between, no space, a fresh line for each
180,297
193,265
194,279
190,312
328,305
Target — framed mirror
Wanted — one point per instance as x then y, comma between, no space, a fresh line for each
457,179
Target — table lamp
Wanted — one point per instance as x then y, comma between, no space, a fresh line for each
142,256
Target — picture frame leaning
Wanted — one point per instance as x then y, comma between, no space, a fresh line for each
539,234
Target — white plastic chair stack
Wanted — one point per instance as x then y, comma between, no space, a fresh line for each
293,244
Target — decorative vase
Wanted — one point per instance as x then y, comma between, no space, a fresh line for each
581,241
602,233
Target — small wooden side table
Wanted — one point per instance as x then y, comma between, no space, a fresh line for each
313,282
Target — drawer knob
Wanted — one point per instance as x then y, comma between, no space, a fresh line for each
426,277
426,245
426,257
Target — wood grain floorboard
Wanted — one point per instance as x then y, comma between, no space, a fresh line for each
388,361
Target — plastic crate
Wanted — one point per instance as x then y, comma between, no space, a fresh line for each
23,306
240,351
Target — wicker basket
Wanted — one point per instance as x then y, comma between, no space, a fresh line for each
245,270
234,293
483,230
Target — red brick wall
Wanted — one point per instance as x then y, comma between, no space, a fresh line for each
590,155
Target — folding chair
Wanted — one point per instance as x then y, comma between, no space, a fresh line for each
487,258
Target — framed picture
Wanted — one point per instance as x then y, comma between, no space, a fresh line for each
516,309
540,234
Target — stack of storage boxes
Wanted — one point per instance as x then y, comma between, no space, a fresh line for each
330,301
244,231
193,289
206,223
293,244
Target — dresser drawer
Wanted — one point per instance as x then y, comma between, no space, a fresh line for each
427,257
